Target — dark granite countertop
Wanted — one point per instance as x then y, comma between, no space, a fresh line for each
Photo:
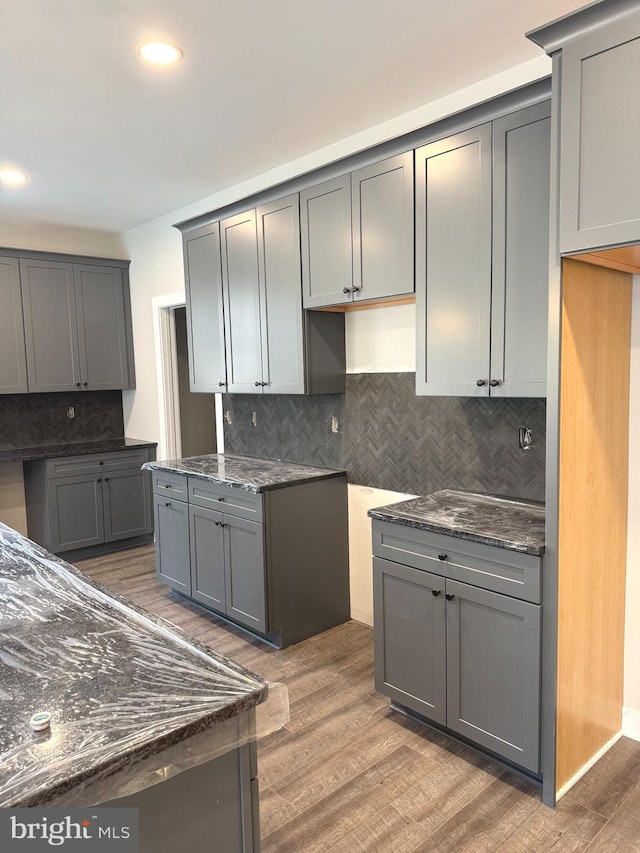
516,525
53,451
119,684
246,472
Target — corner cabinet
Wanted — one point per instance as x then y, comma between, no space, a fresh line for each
482,221
248,332
460,653
69,328
239,553
599,128
357,235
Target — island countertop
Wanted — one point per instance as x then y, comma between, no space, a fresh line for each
516,525
119,684
245,472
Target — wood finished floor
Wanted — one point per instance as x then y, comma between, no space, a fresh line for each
348,774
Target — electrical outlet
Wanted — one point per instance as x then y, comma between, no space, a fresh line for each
525,438
334,424
254,418
71,412
227,416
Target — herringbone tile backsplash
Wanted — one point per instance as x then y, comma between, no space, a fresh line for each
390,439
31,420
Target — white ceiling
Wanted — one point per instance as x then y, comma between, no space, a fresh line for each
110,143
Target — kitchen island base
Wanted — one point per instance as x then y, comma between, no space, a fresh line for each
211,807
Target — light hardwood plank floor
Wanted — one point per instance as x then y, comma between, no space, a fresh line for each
348,774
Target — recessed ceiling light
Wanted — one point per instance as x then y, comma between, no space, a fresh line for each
160,53
12,177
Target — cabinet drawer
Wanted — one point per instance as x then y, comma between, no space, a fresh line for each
95,463
167,484
232,501
496,569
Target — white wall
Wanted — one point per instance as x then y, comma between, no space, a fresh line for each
45,237
632,621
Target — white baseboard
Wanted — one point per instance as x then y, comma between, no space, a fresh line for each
568,785
631,723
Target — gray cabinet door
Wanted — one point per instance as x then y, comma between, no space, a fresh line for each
13,359
241,303
127,504
325,219
599,131
245,572
205,314
172,543
520,276
76,512
281,296
207,557
102,339
51,329
382,212
453,264
410,637
493,672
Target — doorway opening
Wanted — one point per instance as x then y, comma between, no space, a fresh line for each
187,419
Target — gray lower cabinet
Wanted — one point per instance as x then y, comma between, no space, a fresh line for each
493,671
77,324
599,128
482,232
409,616
464,657
275,563
207,552
76,511
96,502
172,542
205,312
245,572
13,358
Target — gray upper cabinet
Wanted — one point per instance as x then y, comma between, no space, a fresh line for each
102,338
325,220
13,359
482,255
520,275
493,672
281,297
239,242
205,313
382,216
48,297
453,264
599,131
77,324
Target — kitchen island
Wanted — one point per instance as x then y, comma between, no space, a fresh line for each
140,716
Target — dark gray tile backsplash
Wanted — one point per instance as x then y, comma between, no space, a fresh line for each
390,439
30,420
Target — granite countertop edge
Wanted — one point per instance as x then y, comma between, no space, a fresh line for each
328,474
156,744
456,532
79,448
